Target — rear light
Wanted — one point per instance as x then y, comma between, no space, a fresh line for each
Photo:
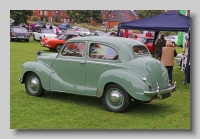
149,86
13,34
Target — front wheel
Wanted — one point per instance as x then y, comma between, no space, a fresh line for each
115,98
33,85
58,48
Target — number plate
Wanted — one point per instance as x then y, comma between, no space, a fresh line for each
166,95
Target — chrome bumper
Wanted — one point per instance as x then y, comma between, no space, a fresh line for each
159,92
20,80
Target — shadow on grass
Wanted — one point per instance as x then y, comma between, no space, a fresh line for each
77,99
152,107
134,107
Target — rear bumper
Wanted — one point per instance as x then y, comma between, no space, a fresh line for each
159,92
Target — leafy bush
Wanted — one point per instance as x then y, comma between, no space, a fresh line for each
34,18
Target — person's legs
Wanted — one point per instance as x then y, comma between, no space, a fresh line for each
170,69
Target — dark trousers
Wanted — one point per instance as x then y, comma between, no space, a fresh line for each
187,74
170,69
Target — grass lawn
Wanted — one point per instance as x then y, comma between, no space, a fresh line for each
65,111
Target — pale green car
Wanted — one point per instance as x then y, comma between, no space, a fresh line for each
115,69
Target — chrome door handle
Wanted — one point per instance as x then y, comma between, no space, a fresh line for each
82,62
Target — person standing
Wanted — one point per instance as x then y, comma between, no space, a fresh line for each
33,27
121,33
57,30
148,34
167,55
160,42
51,26
187,68
44,25
126,34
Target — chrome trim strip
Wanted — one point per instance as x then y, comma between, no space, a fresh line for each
110,64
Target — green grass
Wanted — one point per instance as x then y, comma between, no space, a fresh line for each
65,111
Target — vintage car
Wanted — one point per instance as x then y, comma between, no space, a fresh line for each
19,33
120,70
43,33
57,43
147,41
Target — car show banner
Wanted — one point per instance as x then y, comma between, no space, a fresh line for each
181,34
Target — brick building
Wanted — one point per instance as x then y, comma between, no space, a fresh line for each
111,18
51,14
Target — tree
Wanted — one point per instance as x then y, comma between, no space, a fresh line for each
20,16
84,16
149,13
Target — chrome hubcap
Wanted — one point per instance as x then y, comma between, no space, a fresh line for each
115,98
33,84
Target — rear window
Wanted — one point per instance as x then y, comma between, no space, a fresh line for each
140,50
20,30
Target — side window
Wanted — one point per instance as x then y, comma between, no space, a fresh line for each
75,49
101,51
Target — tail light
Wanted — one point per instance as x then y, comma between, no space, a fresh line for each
149,86
13,34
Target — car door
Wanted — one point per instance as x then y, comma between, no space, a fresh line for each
69,69
37,34
101,57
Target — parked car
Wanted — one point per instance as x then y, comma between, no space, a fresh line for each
112,33
97,33
147,41
57,43
82,31
19,33
43,33
39,23
54,29
64,26
119,70
173,38
135,36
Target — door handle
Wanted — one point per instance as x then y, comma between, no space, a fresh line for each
82,62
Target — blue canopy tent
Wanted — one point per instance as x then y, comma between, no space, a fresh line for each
169,21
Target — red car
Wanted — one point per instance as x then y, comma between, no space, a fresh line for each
148,41
57,43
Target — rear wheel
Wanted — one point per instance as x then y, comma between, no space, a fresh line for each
33,85
58,48
115,98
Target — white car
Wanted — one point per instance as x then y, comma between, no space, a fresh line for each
43,33
173,38
54,29
82,31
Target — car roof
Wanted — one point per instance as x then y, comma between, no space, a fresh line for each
119,42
